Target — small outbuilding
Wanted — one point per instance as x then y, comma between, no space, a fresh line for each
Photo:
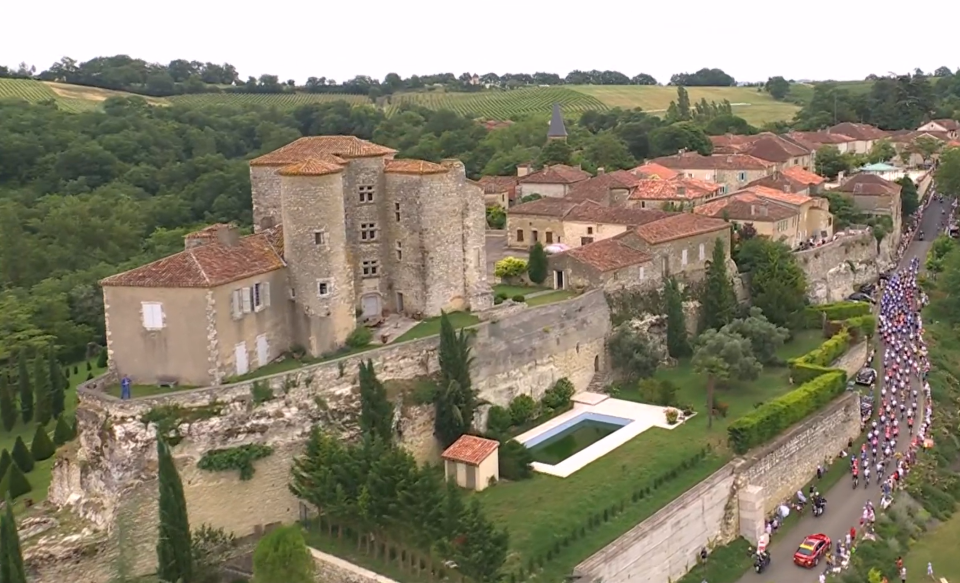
472,462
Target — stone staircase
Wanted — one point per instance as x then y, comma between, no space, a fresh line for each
599,382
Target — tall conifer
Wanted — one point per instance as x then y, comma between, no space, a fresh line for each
376,410
58,384
11,556
26,390
174,558
8,404
43,408
718,300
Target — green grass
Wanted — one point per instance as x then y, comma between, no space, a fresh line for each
346,549
556,296
538,511
431,326
503,104
71,98
282,101
515,290
289,363
140,391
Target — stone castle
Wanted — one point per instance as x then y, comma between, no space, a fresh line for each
343,234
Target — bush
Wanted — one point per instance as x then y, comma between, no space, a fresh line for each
41,447
721,408
658,392
772,418
102,358
510,267
813,315
817,362
360,337
21,455
672,416
499,421
14,483
862,326
497,301
89,368
519,298
558,396
515,460
282,556
75,370
522,409
62,433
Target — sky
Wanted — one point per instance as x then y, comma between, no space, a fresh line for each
749,39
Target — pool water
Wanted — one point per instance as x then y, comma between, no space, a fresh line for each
559,447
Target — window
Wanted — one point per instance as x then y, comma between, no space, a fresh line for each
586,240
723,189
683,257
396,210
589,230
643,204
399,251
371,268
742,176
643,273
366,194
368,231
703,253
152,315
519,235
319,238
549,236
534,236
323,288
261,296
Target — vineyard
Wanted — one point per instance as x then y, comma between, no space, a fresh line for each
71,98
283,101
502,104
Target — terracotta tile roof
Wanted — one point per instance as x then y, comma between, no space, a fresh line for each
953,144
779,181
746,206
859,131
674,189
652,170
209,265
596,188
773,148
607,255
907,136
591,212
816,140
413,167
314,167
866,184
499,184
730,143
470,449
803,175
317,146
792,199
679,226
494,124
544,207
694,161
557,174
951,125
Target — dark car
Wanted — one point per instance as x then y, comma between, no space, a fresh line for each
867,376
859,297
920,235
884,276
868,288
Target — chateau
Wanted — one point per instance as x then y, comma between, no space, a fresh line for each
343,234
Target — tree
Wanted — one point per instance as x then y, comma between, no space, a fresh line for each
829,162
778,286
58,384
456,400
555,152
11,557
881,151
683,104
687,136
607,150
909,198
376,410
5,463
927,147
947,173
631,354
479,548
14,483
537,264
26,391
62,433
22,456
718,301
8,408
41,448
282,556
721,356
43,411
102,359
174,556
677,343
765,337
777,87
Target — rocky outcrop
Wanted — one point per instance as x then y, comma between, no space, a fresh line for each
836,269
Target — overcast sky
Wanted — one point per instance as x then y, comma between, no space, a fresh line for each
749,39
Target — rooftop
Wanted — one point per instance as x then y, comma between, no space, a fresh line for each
858,131
597,187
557,129
766,146
815,140
319,146
780,181
556,174
679,226
470,449
879,167
320,166
746,206
417,167
802,175
544,207
695,161
866,184
653,170
674,189
608,255
592,212
948,124
789,198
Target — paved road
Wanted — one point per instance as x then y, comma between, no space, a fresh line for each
844,505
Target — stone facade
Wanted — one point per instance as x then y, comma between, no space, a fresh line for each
835,269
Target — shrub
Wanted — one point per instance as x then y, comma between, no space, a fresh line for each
721,408
282,556
515,460
41,447
498,421
5,462
510,267
772,418
814,315
360,337
89,368
502,296
817,362
522,409
21,455
863,326
519,298
102,358
658,392
672,416
89,376
497,301
558,396
75,370
62,433
537,264
14,483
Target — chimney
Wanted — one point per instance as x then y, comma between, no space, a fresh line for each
523,170
600,171
223,234
729,159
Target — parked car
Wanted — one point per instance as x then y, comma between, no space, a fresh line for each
868,288
860,297
811,550
884,276
866,376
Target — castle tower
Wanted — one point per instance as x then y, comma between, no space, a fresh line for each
557,130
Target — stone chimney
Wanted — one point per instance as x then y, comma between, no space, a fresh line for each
523,170
600,171
220,233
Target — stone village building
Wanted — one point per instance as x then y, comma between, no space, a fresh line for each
731,171
343,233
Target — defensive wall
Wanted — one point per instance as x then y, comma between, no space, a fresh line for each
835,269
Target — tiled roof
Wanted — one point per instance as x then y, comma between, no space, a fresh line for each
730,143
773,148
498,184
470,449
694,161
803,176
746,206
303,149
780,181
859,131
544,207
907,136
652,170
679,226
815,140
596,188
495,124
556,174
953,144
413,167
792,199
607,255
209,265
314,167
866,184
951,125
591,212
673,189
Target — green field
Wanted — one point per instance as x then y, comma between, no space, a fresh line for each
281,101
504,104
72,98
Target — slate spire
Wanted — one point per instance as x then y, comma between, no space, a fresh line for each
557,130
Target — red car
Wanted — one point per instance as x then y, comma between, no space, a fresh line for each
811,550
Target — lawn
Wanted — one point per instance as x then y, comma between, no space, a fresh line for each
756,107
539,510
431,326
515,290
555,296
139,391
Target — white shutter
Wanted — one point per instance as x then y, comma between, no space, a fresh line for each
145,314
247,296
236,305
265,293
152,314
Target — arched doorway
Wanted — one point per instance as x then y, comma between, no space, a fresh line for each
596,363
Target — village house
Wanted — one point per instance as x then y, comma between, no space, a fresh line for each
951,127
499,190
794,180
571,222
536,221
768,218
589,222
873,195
865,135
905,143
651,171
816,140
550,181
815,220
677,193
607,188
343,234
768,146
731,171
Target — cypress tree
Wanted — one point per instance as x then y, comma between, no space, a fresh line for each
174,559
718,301
102,358
537,264
14,484
376,410
43,404
8,405
58,383
456,400
26,391
63,432
41,447
677,343
11,557
22,456
5,462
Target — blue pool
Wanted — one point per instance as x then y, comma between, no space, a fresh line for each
574,435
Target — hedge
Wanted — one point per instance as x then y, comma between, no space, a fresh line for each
773,417
862,326
813,315
817,362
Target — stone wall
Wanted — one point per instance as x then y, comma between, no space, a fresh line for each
836,269
331,569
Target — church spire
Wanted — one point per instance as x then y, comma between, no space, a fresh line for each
557,130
